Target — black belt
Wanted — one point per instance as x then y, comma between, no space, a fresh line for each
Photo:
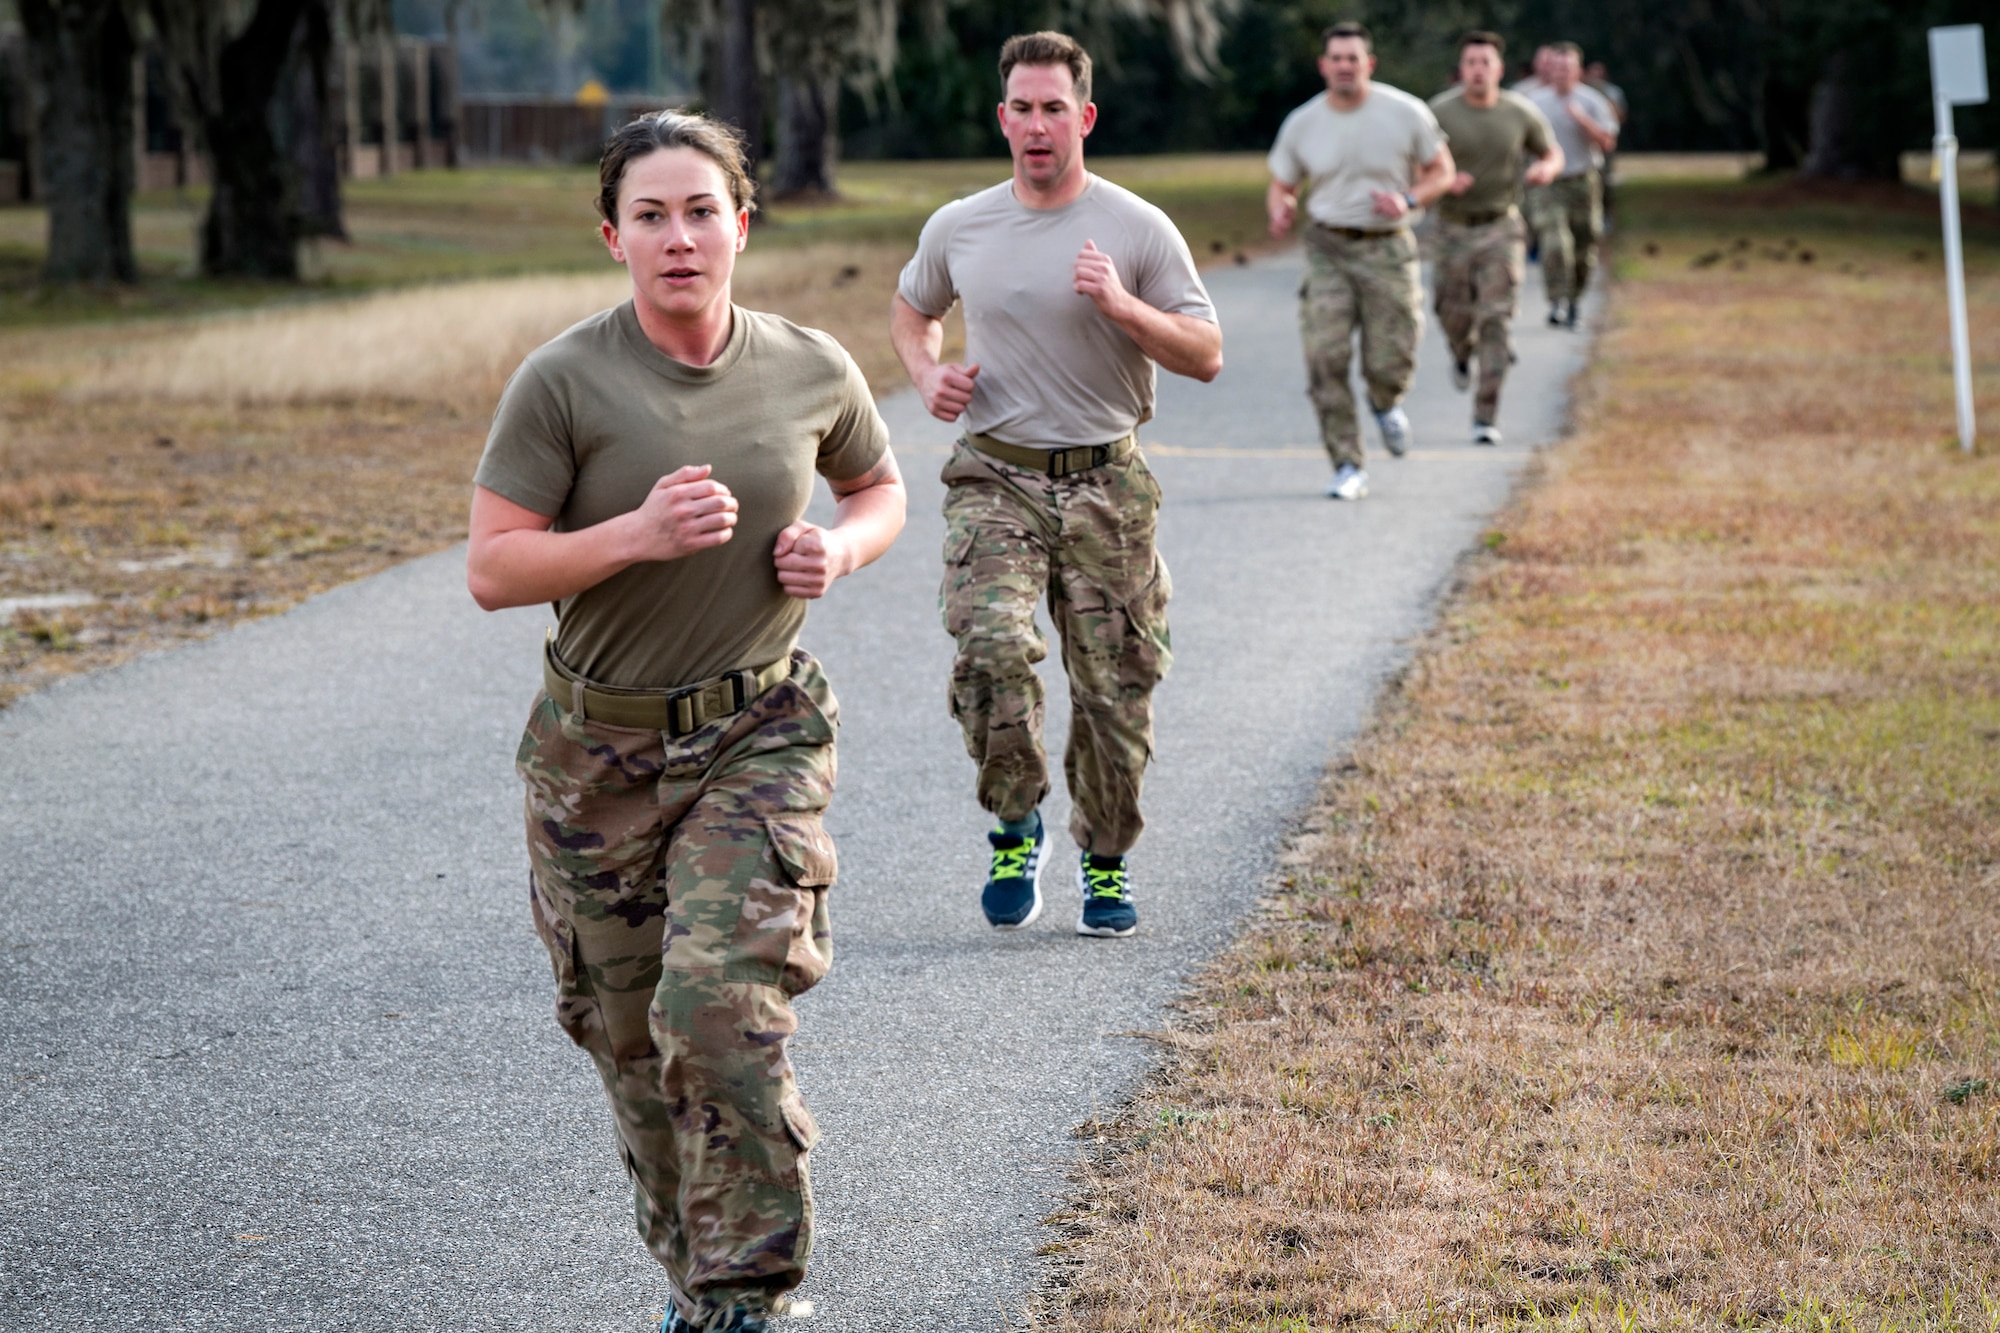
1478,219
1360,233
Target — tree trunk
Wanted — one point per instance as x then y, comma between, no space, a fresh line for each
735,86
250,228
1784,123
1830,122
1843,144
306,114
80,52
808,137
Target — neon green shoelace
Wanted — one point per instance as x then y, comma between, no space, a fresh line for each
1012,862
1106,883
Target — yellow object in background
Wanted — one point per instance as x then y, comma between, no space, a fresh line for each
592,93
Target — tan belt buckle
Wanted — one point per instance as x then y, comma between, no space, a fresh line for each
682,717
1082,458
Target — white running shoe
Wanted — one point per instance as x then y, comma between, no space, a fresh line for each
1349,483
1485,434
1395,426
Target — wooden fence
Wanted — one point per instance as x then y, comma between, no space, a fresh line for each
514,129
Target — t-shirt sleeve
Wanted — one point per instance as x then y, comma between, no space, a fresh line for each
1284,158
1170,281
926,281
858,437
1428,136
529,458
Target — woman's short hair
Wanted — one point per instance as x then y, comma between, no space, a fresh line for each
716,140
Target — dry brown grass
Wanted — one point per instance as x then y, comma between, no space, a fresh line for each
423,343
1642,967
455,343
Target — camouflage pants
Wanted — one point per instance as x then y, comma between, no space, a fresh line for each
1086,540
1478,280
1568,218
680,886
1370,283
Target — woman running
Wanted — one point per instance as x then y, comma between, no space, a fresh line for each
648,472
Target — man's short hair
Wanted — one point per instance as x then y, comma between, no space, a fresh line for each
1567,49
1047,48
1477,38
1348,28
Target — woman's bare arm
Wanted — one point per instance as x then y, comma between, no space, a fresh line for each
513,559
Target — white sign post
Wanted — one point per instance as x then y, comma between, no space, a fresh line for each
1958,78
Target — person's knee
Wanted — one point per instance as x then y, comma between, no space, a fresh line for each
720,1034
1001,664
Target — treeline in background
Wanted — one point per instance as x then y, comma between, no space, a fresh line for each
266,103
1839,86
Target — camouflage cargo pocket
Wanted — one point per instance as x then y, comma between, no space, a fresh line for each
807,858
799,1122
764,921
1148,646
994,574
576,1008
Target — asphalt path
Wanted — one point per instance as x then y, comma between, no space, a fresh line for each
277,1034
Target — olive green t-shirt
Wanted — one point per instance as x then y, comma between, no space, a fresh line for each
1493,145
595,417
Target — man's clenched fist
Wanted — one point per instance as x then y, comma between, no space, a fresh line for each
947,389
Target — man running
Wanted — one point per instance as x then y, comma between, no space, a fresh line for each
1481,241
648,472
1366,156
1073,290
1568,213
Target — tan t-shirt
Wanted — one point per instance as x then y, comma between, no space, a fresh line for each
1580,153
594,418
1340,158
1054,372
1491,144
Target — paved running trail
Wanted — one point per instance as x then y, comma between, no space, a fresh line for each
277,1034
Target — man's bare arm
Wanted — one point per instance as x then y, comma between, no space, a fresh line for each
1182,344
1281,205
1434,178
866,519
1606,140
918,339
1433,182
1546,167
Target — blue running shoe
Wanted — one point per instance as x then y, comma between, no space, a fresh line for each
1013,895
1107,897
